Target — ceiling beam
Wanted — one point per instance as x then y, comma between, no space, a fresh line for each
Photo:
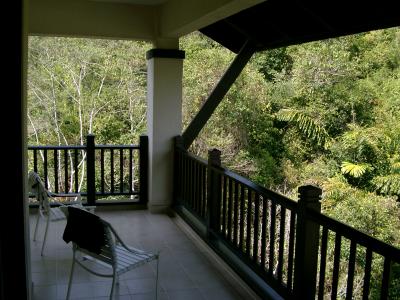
178,18
91,19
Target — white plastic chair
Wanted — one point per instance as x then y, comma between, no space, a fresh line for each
44,197
114,254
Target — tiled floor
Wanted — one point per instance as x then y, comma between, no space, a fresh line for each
185,271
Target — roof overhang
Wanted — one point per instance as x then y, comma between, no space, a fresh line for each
279,23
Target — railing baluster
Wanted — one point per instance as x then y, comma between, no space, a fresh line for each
76,170
102,170
291,250
91,169
55,171
112,169
322,267
230,209
45,176
336,265
130,170
264,232
241,226
385,279
203,190
367,273
191,183
281,243
196,187
256,227
66,188
350,273
271,259
224,206
185,180
236,215
248,222
190,176
121,170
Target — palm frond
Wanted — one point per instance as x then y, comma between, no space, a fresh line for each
305,124
354,170
389,184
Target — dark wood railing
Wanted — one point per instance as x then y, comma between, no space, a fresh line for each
281,241
93,170
355,253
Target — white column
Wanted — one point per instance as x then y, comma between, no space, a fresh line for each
164,121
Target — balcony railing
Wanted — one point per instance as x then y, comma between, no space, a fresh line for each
272,239
93,170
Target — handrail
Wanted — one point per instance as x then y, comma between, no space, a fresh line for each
56,147
117,146
355,235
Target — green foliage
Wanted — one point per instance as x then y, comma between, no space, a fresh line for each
306,125
377,216
388,185
354,170
274,63
81,86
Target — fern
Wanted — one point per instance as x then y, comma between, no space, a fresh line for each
389,184
306,125
354,170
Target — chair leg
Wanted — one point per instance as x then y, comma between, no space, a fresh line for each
112,286
36,226
157,278
45,234
70,276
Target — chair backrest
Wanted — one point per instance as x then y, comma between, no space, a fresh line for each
107,252
84,226
37,187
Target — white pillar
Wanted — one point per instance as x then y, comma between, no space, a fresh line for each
164,121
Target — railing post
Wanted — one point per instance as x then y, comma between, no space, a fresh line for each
90,170
213,192
307,241
176,192
144,169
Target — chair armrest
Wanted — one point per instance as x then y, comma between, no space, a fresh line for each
77,195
